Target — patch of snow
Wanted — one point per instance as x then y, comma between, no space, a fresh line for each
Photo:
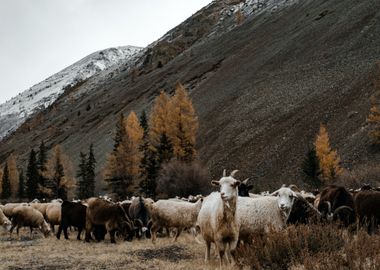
16,110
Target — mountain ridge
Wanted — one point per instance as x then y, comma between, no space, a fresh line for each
41,95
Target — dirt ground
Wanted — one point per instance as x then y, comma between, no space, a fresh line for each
49,253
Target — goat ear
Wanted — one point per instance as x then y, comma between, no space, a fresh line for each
215,183
249,187
233,173
237,183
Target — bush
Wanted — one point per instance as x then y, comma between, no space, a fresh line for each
182,179
366,173
323,247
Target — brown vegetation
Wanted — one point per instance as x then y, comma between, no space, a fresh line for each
311,247
182,179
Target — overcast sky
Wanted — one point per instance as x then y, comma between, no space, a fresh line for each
41,37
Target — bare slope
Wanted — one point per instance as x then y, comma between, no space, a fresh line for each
261,90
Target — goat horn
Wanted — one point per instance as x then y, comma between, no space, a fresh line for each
233,173
294,188
245,181
224,173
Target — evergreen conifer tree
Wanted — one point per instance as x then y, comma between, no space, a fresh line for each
21,187
6,184
41,166
310,168
82,176
90,173
148,165
32,176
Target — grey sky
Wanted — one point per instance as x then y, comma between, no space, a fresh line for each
40,37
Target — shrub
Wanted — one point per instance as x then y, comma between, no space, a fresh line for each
278,250
182,179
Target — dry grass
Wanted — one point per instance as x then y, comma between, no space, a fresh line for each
323,247
50,253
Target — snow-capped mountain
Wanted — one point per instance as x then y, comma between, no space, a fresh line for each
16,110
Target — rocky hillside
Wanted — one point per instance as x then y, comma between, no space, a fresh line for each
40,96
263,75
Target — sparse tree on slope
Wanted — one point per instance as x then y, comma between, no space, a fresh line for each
329,161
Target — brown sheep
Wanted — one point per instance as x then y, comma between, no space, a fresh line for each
367,205
332,197
26,216
111,215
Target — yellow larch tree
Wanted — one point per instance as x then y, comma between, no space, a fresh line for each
329,160
132,142
183,125
158,119
123,164
13,175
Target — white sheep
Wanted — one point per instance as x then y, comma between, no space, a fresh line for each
8,208
26,216
53,214
172,214
4,221
217,218
264,213
41,207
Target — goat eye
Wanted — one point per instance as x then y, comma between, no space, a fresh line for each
232,185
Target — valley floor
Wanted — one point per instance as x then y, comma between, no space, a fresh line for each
50,253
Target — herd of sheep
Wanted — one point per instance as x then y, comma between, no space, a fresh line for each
225,218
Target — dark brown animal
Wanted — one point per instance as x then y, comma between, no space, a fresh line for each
140,215
244,188
74,214
367,206
303,212
111,215
332,197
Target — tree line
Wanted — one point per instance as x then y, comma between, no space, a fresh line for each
47,177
